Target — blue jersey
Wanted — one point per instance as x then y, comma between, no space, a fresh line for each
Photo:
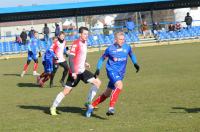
117,58
130,25
48,61
33,45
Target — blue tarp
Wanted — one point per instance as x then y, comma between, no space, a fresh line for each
73,4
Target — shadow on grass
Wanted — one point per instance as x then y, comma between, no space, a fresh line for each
13,74
27,85
69,109
188,110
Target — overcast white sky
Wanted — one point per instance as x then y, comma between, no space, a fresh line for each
14,3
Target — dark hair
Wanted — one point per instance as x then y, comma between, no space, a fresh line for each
35,32
82,28
61,32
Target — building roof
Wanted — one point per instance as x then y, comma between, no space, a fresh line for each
30,22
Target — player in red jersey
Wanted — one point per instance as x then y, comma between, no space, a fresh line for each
78,64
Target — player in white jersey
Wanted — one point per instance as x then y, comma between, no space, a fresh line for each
78,64
59,48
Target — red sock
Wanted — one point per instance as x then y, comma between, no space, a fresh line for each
35,67
114,97
100,99
46,78
42,75
25,67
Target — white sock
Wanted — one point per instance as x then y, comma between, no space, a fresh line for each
58,99
110,108
92,93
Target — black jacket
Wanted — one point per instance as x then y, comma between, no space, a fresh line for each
188,20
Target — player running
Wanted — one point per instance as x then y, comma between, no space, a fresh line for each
47,61
33,49
117,55
59,48
78,64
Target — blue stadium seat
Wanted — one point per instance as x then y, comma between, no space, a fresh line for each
1,48
7,48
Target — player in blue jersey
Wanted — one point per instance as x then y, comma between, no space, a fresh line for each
47,61
33,49
117,55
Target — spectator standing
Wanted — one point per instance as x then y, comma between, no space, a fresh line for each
105,30
188,20
31,33
46,32
23,36
145,29
130,25
57,29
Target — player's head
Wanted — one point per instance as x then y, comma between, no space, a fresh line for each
35,34
188,13
119,38
61,35
83,31
54,39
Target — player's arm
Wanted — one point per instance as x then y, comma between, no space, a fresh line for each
87,64
100,62
66,51
39,48
72,54
54,55
29,45
53,47
134,60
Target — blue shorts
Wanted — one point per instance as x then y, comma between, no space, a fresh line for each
113,78
32,56
48,67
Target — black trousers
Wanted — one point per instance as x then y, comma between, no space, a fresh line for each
64,65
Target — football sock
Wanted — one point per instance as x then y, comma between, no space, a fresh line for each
114,97
42,75
35,67
25,67
92,93
100,99
46,78
58,99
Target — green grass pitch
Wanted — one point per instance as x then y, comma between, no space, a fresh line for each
163,96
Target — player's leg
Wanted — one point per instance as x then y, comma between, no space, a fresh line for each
35,67
55,68
25,69
114,97
67,89
99,100
41,75
88,77
60,96
65,67
46,78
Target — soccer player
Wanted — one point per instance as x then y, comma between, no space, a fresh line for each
33,49
117,55
78,64
59,47
47,61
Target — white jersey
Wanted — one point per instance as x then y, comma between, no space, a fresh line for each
58,49
79,50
